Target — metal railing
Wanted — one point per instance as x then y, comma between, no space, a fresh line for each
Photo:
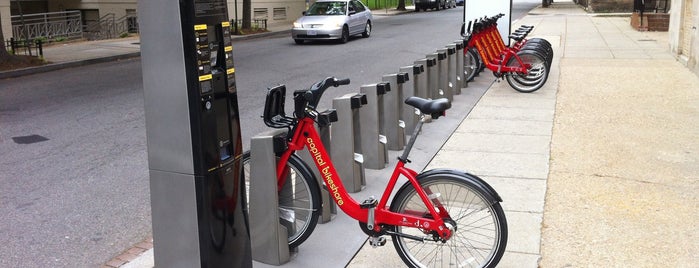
653,6
109,27
51,25
255,24
25,47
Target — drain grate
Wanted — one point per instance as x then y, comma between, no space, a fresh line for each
29,139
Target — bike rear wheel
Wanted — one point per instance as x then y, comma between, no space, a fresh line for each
480,235
536,76
299,199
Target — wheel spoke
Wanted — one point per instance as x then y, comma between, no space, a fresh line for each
479,239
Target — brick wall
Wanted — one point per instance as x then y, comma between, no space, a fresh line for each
656,22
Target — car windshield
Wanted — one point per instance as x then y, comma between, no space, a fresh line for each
327,8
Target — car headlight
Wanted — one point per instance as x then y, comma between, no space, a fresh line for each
335,24
298,25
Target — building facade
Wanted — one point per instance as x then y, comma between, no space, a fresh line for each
684,32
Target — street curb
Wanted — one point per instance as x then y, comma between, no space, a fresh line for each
63,65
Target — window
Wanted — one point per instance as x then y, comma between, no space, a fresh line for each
259,13
327,8
358,6
279,13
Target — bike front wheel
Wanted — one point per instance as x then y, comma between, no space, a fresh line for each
480,233
472,64
299,198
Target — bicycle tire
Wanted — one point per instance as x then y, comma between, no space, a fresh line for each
536,75
302,190
471,64
535,72
481,228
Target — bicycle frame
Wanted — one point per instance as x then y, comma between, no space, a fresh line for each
305,135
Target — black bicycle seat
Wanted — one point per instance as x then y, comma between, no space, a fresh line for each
435,108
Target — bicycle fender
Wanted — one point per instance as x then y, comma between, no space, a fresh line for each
477,182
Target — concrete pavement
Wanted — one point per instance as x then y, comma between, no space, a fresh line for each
597,169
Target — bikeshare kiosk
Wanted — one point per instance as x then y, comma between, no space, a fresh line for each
193,132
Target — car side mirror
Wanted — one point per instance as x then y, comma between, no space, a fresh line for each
352,12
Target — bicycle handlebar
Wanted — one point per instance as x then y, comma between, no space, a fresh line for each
310,98
316,91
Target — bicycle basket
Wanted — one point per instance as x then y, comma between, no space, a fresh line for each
274,115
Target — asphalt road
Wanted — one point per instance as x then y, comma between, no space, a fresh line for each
81,196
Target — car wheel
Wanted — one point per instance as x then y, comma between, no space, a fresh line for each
345,35
298,41
367,29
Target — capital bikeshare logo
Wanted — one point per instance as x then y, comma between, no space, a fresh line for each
325,169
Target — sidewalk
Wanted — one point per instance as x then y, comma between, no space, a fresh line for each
599,168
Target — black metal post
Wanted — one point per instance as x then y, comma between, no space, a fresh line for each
40,47
12,45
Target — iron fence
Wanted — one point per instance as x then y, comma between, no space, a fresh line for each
53,25
654,6
255,24
25,47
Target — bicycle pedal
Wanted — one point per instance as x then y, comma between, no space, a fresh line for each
377,241
369,203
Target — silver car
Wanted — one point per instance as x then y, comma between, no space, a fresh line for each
333,19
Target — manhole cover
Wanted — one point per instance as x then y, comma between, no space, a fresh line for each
646,40
29,139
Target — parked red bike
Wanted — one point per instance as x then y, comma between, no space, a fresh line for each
438,218
525,64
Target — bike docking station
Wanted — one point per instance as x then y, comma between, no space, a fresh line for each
269,225
452,59
442,90
433,72
422,79
446,78
461,82
193,133
373,140
410,115
392,125
349,162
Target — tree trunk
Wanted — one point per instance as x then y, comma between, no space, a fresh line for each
3,50
247,13
401,5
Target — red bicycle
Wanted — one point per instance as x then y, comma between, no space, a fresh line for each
438,218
